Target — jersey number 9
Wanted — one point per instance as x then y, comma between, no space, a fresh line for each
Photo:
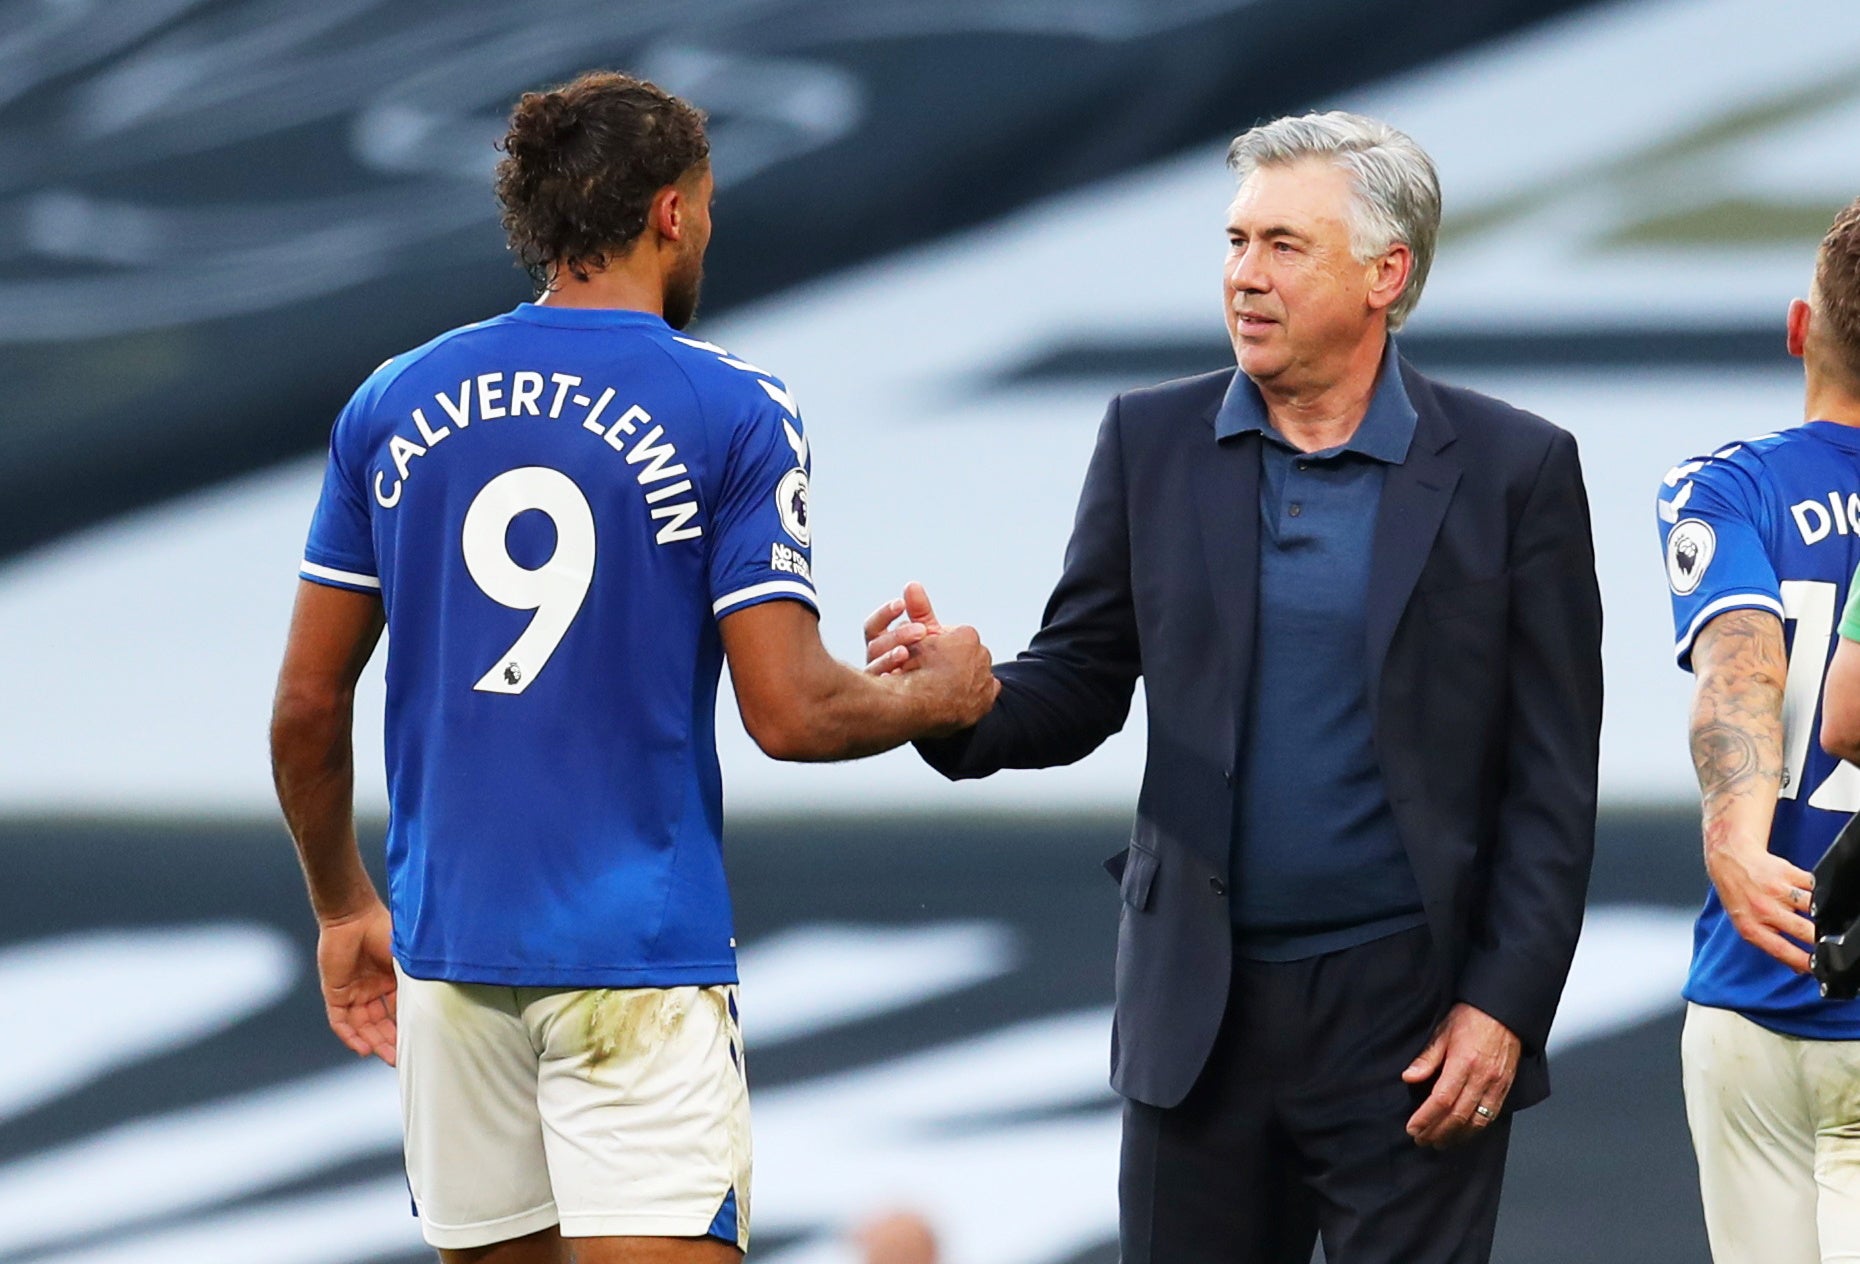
554,590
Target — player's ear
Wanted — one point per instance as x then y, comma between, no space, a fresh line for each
679,208
668,211
1799,313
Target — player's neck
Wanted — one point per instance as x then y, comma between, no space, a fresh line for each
616,286
1832,401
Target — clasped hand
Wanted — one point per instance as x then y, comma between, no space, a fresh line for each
904,635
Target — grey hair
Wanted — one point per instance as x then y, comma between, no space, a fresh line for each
1397,190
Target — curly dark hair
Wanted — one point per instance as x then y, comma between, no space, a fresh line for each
581,165
1837,288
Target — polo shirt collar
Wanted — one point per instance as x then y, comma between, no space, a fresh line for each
1386,432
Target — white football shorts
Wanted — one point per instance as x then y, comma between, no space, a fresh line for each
617,1112
1776,1127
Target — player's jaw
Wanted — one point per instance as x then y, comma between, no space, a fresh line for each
682,288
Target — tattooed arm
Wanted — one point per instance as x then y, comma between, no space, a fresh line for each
1737,752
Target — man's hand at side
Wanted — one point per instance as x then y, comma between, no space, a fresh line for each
1472,1059
355,962
333,632
1766,898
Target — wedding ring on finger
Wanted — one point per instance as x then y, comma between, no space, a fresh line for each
1485,1112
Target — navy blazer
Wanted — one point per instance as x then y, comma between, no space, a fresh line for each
1484,653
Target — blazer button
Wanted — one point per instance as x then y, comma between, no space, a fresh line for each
1229,774
1217,886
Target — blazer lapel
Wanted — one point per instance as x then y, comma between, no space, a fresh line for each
1415,495
1226,481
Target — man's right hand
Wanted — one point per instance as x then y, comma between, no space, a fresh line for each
961,676
956,672
1767,900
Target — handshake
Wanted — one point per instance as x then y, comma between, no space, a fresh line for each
948,668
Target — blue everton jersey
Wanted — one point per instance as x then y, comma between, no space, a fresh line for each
557,506
1773,524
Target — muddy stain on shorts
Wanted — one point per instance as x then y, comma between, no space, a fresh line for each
621,1024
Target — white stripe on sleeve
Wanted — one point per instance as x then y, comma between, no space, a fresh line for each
310,570
1733,601
785,586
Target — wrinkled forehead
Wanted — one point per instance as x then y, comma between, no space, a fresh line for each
1308,193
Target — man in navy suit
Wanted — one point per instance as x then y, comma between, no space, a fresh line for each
1364,607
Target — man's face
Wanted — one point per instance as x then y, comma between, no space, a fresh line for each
1296,297
686,278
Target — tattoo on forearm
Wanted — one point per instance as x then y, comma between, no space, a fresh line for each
1737,717
1724,756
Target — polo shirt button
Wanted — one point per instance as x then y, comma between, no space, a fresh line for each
1295,510
1304,465
1217,886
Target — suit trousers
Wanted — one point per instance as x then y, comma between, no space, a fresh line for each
1296,1128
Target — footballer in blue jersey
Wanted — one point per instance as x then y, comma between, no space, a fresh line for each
567,517
558,505
1772,525
1761,541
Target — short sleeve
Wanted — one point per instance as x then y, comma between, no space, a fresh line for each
341,549
1712,533
762,539
1850,617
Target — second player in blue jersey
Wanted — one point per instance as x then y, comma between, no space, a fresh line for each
1772,524
1760,541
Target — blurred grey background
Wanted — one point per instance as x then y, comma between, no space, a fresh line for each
956,230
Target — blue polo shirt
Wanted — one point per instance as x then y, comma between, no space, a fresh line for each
1317,862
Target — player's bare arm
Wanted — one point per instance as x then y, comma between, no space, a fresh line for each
1737,752
1840,703
800,703
333,633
